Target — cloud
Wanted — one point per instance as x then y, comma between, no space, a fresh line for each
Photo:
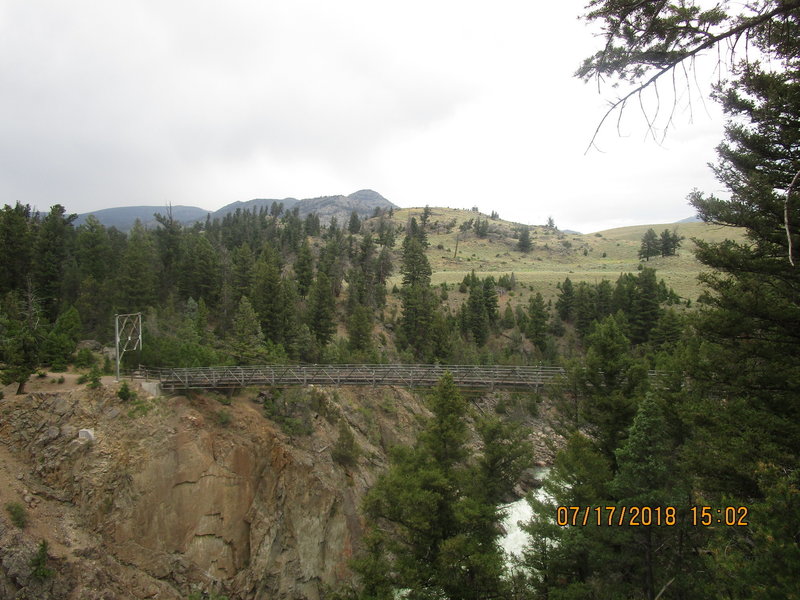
453,103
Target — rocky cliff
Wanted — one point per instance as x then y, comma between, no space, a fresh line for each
177,496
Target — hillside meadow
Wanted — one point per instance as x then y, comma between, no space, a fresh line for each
555,254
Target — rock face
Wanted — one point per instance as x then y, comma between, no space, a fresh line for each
167,498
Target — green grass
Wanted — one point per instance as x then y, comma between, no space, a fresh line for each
555,255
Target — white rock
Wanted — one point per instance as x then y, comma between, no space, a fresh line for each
87,434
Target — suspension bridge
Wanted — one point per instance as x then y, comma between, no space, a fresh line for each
476,377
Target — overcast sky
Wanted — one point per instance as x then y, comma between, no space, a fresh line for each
438,102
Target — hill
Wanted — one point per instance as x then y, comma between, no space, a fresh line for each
124,217
555,254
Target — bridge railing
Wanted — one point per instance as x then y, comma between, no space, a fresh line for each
417,375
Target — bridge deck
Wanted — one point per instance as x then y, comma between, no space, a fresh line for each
465,376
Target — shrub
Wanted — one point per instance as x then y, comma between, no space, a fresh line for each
41,374
93,378
139,407
59,365
85,358
223,418
125,393
61,379
39,562
345,451
18,514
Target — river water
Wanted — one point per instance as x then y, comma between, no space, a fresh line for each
520,511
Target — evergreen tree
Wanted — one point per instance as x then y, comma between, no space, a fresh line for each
304,269
311,226
537,323
246,342
386,233
610,384
136,280
566,300
51,249
15,247
418,300
170,249
651,246
477,321
354,225
490,300
524,242
59,345
584,309
434,513
21,335
646,306
266,295
199,269
321,309
93,250
242,267
359,327
670,242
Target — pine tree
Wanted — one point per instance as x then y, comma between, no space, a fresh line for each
265,293
524,242
242,267
246,342
418,300
566,300
670,241
651,246
136,280
490,300
198,269
21,335
93,250
537,323
646,306
59,345
321,309
354,225
304,269
51,249
15,247
359,327
433,513
477,320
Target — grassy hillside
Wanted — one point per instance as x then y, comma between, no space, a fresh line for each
555,255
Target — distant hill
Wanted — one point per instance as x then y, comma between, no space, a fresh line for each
124,217
254,205
694,219
363,202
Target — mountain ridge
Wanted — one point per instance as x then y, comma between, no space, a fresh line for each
363,202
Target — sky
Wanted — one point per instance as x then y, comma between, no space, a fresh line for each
444,103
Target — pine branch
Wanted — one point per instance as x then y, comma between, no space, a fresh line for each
744,26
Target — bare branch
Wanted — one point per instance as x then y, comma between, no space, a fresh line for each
786,215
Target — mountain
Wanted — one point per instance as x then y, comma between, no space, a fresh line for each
124,217
694,219
363,202
254,205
